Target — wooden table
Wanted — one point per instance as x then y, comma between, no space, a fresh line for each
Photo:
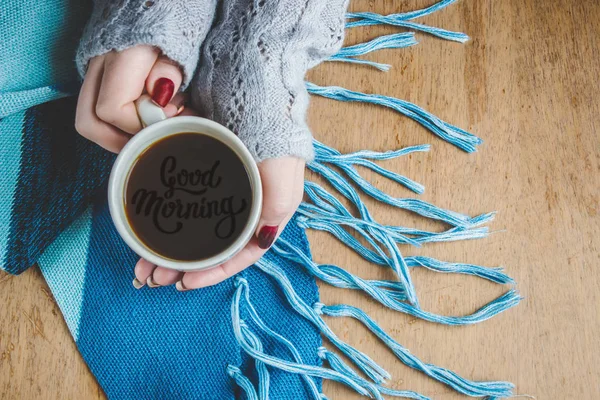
528,83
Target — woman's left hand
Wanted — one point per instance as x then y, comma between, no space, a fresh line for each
283,187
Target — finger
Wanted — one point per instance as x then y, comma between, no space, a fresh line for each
177,105
188,111
245,258
282,192
164,277
123,82
163,81
143,269
86,121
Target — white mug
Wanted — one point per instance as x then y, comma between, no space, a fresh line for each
158,127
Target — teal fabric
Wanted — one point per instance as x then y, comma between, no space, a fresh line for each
37,51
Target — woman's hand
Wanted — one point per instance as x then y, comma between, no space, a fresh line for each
105,110
283,187
106,115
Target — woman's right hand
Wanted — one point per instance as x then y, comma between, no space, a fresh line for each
106,111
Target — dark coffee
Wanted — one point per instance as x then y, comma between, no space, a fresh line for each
188,197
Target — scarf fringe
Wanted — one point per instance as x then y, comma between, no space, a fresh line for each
241,331
394,41
277,337
326,213
403,20
339,371
450,133
392,294
337,364
442,375
242,381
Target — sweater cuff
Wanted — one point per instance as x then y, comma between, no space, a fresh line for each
251,77
293,141
177,28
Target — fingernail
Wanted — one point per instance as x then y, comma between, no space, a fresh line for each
137,284
266,236
181,287
163,91
150,282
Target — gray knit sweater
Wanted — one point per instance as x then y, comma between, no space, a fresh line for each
249,75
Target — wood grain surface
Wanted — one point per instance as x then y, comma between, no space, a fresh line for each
528,84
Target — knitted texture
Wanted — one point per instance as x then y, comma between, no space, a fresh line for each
57,174
36,51
176,27
251,76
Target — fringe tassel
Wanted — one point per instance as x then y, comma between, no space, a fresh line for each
387,239
494,275
364,362
329,214
395,41
328,208
394,259
390,294
317,218
241,331
450,133
383,291
263,374
331,223
403,20
282,340
471,388
461,385
425,11
242,382
416,206
324,154
321,212
339,365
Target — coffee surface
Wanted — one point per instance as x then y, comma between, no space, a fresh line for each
188,197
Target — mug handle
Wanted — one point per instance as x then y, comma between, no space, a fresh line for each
149,112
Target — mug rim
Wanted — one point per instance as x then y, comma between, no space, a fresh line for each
145,139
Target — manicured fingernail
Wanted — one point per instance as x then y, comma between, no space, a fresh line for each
266,236
137,284
181,287
150,282
163,91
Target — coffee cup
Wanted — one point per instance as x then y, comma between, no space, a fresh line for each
184,193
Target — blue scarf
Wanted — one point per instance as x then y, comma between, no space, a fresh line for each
257,335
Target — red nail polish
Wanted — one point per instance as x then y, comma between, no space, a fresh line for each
163,91
266,236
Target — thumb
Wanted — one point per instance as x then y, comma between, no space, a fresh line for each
163,81
283,186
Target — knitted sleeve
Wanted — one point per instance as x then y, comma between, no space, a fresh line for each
176,27
251,75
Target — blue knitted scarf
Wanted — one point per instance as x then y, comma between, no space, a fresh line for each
257,335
